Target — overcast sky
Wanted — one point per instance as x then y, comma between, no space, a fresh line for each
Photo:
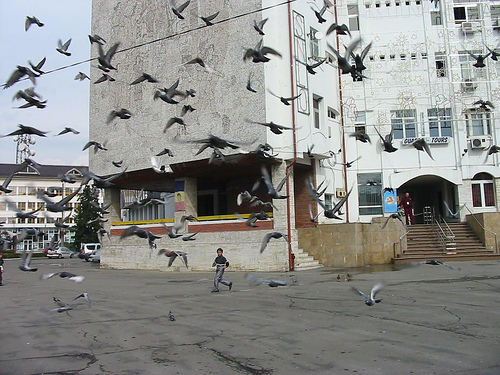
67,99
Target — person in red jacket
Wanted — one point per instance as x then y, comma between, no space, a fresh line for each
407,204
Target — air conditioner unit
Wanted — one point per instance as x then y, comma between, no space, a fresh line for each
469,27
479,142
469,85
495,22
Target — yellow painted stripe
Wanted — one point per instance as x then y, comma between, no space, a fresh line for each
200,218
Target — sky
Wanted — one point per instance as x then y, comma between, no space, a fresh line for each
67,99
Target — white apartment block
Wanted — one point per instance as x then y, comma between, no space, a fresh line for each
25,185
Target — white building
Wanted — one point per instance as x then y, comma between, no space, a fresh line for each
25,185
418,83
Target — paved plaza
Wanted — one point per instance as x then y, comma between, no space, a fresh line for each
432,320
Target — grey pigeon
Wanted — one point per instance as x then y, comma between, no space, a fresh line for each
85,296
271,191
38,67
96,39
171,316
268,237
145,77
370,300
30,20
122,113
134,230
421,145
177,10
68,130
105,77
254,280
361,136
64,274
24,129
63,48
258,26
259,52
105,58
208,19
172,255
387,141
81,77
19,73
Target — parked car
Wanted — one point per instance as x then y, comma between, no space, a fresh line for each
96,256
60,252
87,249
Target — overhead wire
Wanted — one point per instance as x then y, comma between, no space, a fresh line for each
169,36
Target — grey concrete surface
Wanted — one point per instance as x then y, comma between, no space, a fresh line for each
432,320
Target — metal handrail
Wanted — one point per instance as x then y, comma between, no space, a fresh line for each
481,225
445,239
401,240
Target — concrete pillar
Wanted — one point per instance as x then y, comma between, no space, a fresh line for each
112,195
465,197
185,198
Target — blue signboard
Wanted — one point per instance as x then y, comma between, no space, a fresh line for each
390,201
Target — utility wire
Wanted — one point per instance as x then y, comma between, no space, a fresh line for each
170,36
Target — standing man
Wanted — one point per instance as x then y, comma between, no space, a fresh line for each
221,263
407,204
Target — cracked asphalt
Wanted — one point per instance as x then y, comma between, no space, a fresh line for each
432,320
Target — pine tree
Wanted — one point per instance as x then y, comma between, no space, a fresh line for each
84,212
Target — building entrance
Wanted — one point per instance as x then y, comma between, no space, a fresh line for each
430,191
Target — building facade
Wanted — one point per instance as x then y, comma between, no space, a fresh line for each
25,185
419,82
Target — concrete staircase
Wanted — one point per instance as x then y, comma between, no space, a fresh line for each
423,244
304,261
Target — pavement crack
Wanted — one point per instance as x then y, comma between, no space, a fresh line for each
245,366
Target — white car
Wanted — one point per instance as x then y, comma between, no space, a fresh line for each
87,249
96,256
60,252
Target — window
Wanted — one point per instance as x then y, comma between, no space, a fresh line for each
404,123
40,206
317,111
329,201
211,202
478,122
22,190
332,113
483,192
495,16
436,18
465,12
440,64
468,71
360,117
21,206
439,122
314,43
31,206
353,14
370,195
40,220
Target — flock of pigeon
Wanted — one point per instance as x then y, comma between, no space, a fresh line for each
348,63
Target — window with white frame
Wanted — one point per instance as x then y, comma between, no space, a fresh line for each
360,122
439,122
317,104
483,191
495,15
478,122
353,14
468,71
404,123
314,46
463,11
369,193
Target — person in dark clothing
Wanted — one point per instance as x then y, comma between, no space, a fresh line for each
221,263
1,269
407,204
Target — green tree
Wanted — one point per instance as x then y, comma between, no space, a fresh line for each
86,210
